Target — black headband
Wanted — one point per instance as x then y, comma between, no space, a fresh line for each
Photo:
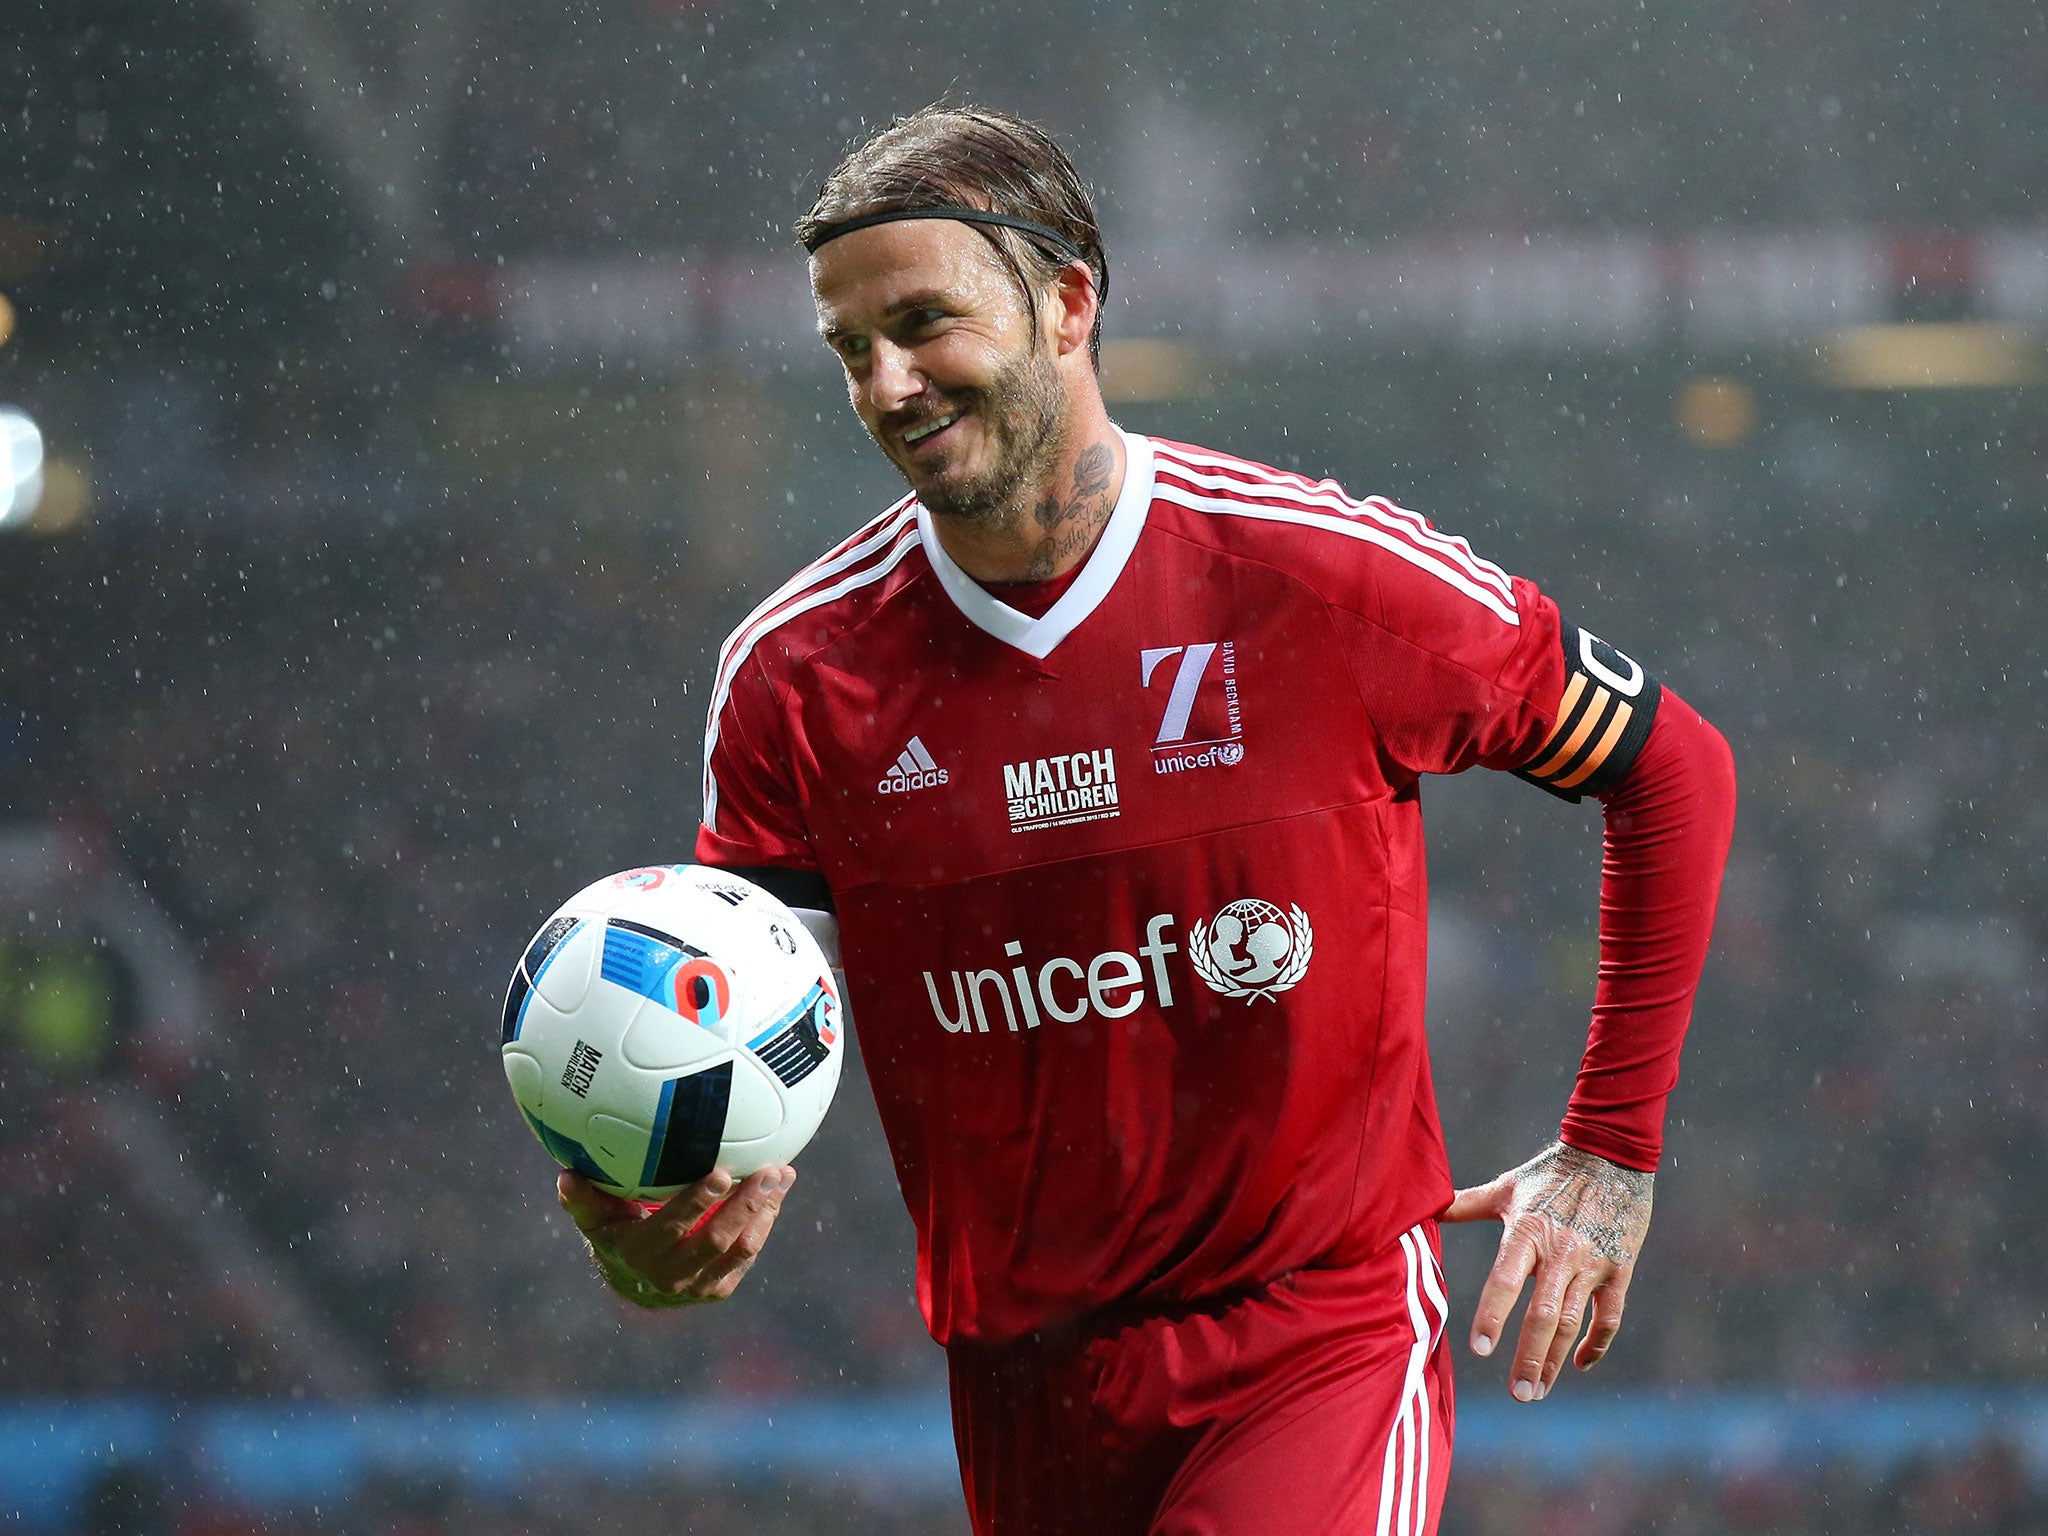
964,214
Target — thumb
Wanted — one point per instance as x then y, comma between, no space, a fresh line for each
1481,1202
590,1207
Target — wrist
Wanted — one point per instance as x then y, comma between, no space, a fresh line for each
1564,1155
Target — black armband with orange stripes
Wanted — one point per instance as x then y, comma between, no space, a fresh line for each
1609,705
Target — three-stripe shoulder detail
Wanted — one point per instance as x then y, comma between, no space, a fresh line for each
878,534
1220,485
865,558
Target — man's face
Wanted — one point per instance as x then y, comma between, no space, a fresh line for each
942,363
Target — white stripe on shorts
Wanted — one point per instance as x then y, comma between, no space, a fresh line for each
1404,1472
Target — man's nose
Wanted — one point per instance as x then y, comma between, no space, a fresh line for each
893,376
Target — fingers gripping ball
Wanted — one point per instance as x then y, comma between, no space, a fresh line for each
671,1020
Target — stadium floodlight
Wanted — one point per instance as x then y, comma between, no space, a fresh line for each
21,466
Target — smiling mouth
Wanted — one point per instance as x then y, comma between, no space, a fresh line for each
925,431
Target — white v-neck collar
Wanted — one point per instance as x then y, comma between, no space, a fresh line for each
1037,637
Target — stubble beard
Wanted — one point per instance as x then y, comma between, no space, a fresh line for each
1023,409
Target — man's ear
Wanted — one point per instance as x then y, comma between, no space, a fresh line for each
1075,306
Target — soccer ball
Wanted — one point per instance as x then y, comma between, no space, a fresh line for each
668,1021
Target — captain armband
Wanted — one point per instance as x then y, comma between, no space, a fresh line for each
1609,705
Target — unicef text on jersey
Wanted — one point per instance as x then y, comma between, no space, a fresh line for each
1250,950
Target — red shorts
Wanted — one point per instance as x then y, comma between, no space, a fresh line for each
1320,1405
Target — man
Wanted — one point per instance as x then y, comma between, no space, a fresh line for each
1101,757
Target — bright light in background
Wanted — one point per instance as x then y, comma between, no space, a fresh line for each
1716,411
1923,355
21,466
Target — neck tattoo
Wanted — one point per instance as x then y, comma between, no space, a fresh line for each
1069,526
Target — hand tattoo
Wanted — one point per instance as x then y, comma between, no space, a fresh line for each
1604,1203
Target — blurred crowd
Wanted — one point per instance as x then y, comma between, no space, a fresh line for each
358,789
355,767
172,188
1208,119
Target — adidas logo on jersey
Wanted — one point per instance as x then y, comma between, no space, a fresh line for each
913,770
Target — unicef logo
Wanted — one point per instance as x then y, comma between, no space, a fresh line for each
1252,949
1230,753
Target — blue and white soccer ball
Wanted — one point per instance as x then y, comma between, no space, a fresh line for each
671,1020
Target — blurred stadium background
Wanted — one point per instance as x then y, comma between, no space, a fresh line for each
400,398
